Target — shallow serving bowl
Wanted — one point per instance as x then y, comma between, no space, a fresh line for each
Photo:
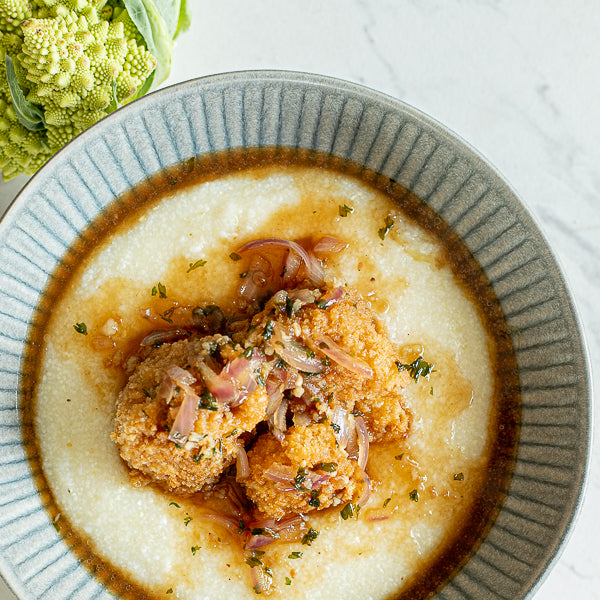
252,109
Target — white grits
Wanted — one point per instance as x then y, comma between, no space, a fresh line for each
137,529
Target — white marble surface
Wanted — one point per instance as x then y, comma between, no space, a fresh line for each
518,79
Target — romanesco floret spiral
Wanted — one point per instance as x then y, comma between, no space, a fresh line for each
75,60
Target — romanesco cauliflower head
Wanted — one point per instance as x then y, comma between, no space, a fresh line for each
76,61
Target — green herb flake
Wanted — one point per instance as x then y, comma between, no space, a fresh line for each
294,555
459,477
174,504
169,591
414,495
310,536
268,330
253,561
314,498
288,581
418,368
349,511
241,526
234,256
195,549
81,328
160,290
345,210
327,467
299,480
187,520
195,265
389,223
386,502
208,402
399,456
335,427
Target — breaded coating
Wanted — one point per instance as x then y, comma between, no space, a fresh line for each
317,358
306,471
144,417
351,324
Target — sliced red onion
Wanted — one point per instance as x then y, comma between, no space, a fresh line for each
303,295
314,269
230,523
275,398
293,352
331,296
180,376
366,493
279,473
242,465
277,525
258,277
166,389
186,417
378,517
279,420
223,389
328,347
362,435
292,265
339,418
259,541
329,244
162,336
352,445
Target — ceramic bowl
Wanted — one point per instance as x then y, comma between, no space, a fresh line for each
252,109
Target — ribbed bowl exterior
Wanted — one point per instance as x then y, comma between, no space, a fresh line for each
254,109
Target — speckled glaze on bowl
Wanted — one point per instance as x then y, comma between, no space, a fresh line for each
253,109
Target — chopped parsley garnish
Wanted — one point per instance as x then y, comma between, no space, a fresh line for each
247,353
208,402
328,467
264,531
268,330
310,536
288,581
386,502
295,555
235,256
195,549
80,328
418,368
195,265
232,432
459,477
335,427
159,289
299,480
399,456
414,495
174,504
241,526
187,520
169,591
345,210
383,231
146,393
289,307
349,511
166,316
314,498
253,561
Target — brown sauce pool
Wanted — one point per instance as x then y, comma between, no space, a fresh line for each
121,214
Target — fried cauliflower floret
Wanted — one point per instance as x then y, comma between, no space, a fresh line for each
146,414
312,472
361,376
